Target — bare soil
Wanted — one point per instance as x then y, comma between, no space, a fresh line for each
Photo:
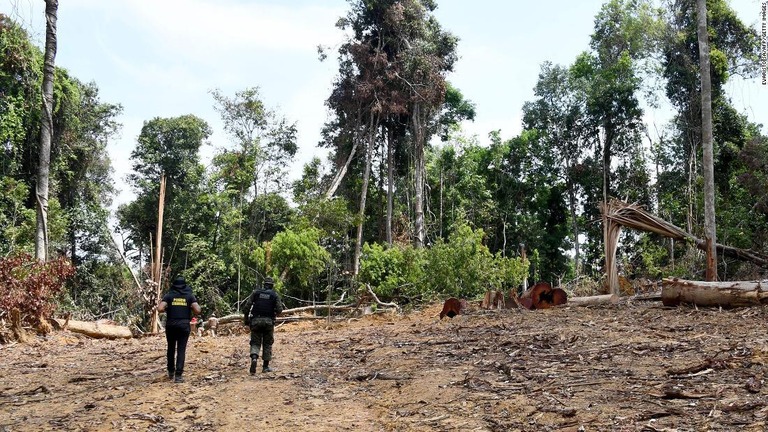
629,367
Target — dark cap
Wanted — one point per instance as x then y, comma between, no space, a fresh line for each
179,282
268,281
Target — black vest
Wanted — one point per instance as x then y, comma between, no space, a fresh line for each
264,302
179,311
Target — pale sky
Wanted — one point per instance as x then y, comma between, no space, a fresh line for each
161,58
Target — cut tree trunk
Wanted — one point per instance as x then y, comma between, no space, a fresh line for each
18,330
543,296
725,294
286,313
617,214
95,329
452,307
655,296
493,300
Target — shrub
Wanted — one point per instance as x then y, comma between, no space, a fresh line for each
460,267
299,259
28,288
394,273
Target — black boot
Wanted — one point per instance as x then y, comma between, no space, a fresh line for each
254,358
266,367
178,378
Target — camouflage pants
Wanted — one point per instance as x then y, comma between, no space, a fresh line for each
262,335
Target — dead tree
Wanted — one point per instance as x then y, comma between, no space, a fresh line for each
620,214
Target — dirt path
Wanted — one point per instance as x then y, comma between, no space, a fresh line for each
632,367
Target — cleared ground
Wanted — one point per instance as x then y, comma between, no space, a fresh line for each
629,367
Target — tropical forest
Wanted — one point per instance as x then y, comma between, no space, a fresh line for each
598,273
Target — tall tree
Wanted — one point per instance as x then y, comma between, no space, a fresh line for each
733,50
355,98
265,141
166,146
706,138
20,76
392,74
428,59
558,115
625,32
82,171
80,176
46,131
167,174
367,93
264,144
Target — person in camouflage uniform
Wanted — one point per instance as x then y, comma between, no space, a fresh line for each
259,313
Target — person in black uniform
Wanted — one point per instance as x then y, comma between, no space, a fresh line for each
259,312
180,304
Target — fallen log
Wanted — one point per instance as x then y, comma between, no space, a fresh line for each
321,307
655,296
675,292
597,300
238,318
379,302
95,329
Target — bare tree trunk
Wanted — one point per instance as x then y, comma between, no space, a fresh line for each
239,246
418,162
611,230
609,246
575,227
372,127
442,185
608,139
503,236
157,271
594,300
690,192
390,185
382,178
343,171
95,329
524,257
46,131
706,139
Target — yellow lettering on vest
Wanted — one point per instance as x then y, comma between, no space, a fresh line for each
179,301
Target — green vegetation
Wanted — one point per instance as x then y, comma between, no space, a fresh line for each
405,203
